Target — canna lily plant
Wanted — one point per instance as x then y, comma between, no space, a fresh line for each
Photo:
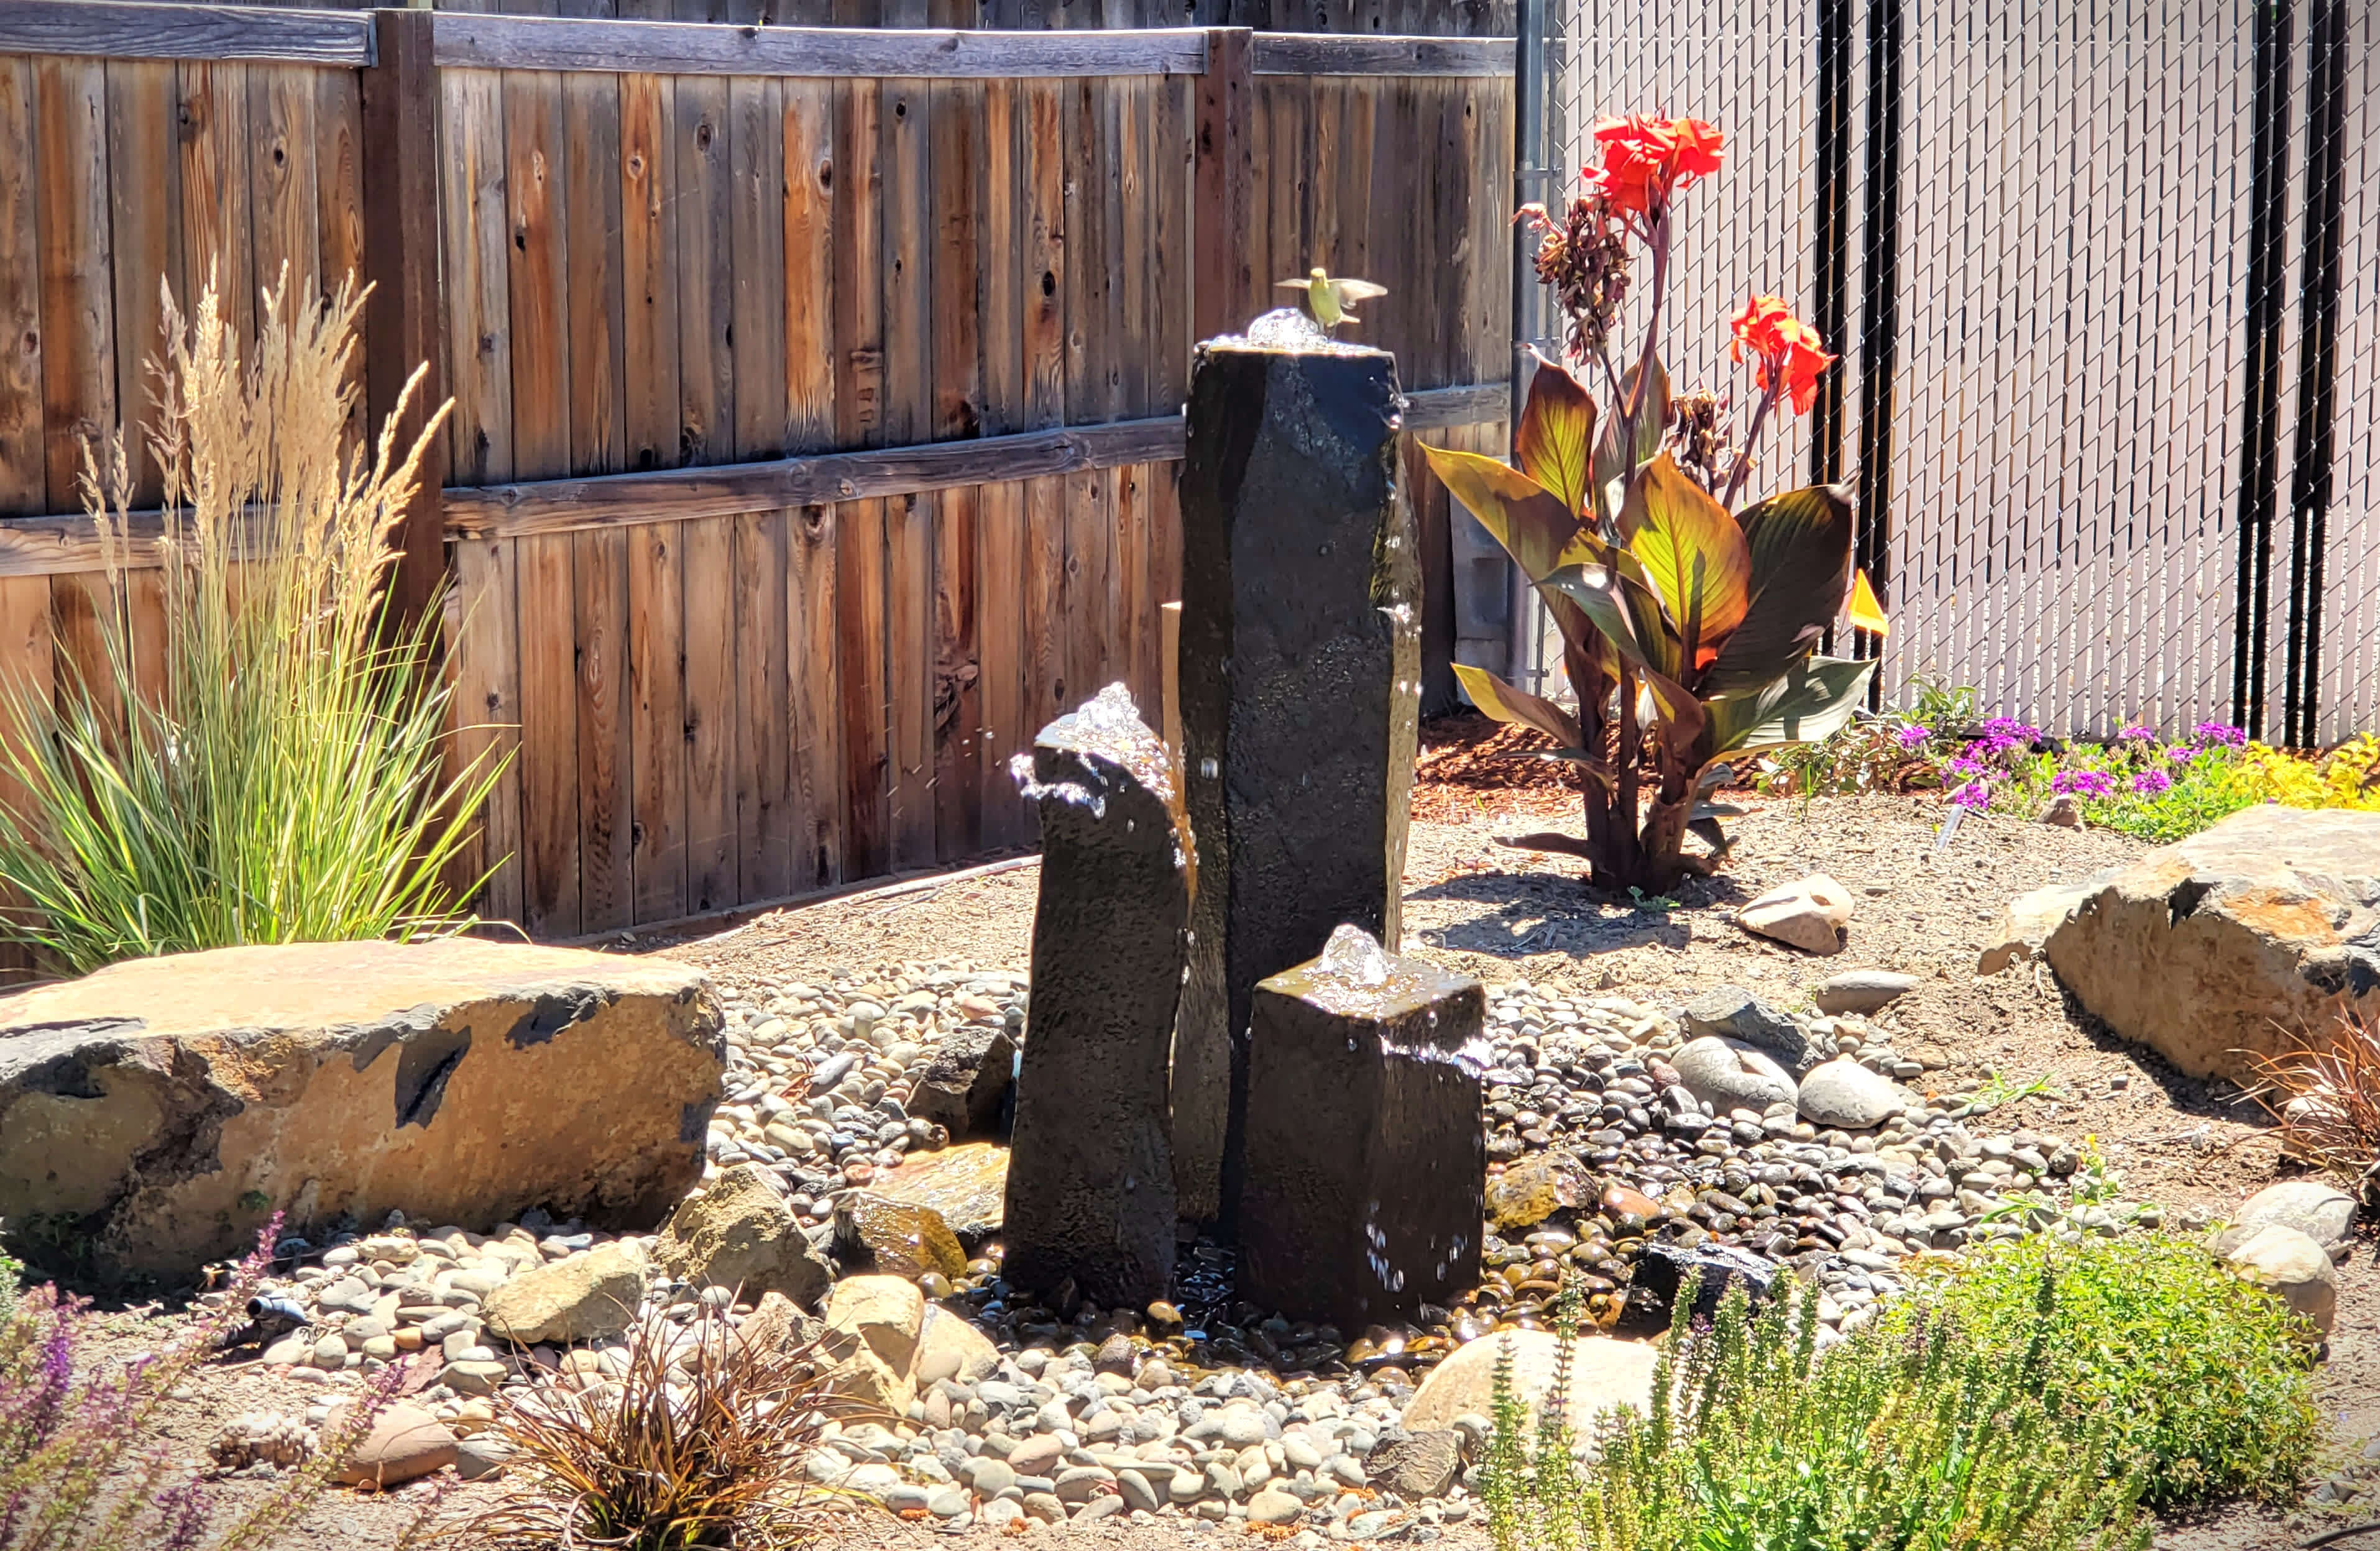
1689,625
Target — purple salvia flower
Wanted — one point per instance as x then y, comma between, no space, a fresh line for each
2148,783
2012,729
1974,795
1966,764
2212,733
1912,736
2084,783
2181,754
182,1514
2137,733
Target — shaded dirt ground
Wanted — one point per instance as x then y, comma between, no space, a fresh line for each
1504,914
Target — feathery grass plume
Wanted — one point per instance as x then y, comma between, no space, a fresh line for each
82,1467
273,766
700,1442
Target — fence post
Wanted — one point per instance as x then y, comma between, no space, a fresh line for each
1221,286
404,323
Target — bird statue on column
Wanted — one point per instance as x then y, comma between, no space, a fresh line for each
1328,300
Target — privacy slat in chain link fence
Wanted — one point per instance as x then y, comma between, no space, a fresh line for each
2105,278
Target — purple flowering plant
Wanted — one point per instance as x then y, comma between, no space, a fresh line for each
83,1465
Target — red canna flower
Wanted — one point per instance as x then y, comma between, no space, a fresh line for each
1645,159
1784,349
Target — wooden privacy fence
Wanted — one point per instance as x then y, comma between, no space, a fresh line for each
816,391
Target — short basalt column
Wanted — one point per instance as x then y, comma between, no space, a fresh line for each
1300,674
1366,1158
1090,1172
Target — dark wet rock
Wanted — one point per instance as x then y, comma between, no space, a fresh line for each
896,1238
1366,1154
1300,670
966,1184
1090,1173
1733,1013
966,1086
1665,1268
1535,1188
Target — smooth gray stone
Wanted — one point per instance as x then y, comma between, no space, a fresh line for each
1299,687
1863,990
1367,1151
1846,1094
1730,1074
1091,1170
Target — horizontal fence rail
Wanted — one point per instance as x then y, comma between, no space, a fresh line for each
815,392
107,28
509,43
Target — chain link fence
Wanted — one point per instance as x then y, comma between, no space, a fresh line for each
2105,279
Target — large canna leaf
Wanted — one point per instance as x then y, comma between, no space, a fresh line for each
1810,702
1629,619
1801,548
1529,520
1506,703
1556,441
1614,464
1692,552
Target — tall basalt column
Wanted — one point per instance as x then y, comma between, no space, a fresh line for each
1090,1171
1367,1160
1299,670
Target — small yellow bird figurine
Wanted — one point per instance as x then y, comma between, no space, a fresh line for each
1328,300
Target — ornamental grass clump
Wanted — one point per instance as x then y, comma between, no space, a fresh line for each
84,1463
1690,624
700,1442
271,767
1917,1437
2203,1378
2326,1095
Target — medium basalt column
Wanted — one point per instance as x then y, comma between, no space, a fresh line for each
1090,1171
1299,669
1367,1158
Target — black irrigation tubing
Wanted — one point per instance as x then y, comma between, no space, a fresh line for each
2333,1536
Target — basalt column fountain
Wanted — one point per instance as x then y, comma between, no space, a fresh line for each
1090,1175
1300,670
1366,1158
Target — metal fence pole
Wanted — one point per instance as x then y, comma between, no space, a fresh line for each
1532,181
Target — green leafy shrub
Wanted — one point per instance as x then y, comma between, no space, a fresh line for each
2205,1379
274,767
1916,1437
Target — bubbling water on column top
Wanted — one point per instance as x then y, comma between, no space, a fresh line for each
1355,956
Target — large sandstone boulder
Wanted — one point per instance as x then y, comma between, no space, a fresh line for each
2236,941
160,1111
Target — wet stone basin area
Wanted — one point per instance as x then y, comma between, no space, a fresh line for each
1205,1409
